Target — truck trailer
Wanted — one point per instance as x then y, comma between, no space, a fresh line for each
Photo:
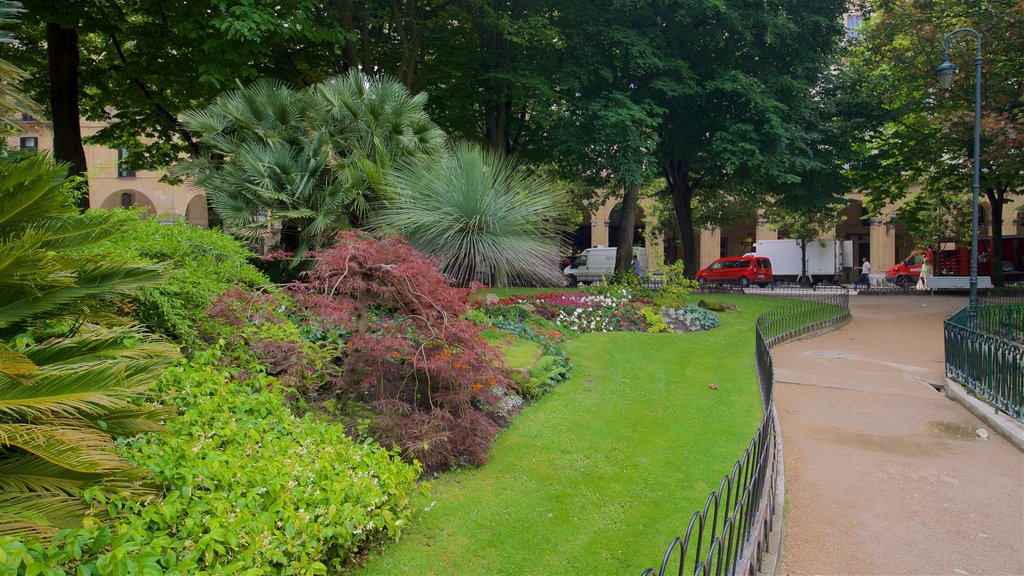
828,259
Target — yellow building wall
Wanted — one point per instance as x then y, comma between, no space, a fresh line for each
168,203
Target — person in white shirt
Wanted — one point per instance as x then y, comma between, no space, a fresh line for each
865,270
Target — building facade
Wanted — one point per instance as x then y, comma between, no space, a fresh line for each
110,185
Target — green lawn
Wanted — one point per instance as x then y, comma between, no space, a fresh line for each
599,475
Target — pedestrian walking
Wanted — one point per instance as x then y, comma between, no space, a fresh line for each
926,271
865,271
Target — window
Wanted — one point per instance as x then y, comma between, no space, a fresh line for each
853,24
123,172
580,261
127,200
28,142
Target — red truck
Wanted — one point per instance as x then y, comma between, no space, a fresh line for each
957,262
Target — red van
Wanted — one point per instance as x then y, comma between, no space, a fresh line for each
742,270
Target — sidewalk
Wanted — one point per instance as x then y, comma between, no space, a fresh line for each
885,475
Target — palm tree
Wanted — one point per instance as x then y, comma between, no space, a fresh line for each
311,161
484,216
64,399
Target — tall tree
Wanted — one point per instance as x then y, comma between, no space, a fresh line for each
488,69
138,65
926,135
607,133
735,79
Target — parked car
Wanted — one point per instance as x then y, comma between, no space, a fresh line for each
593,264
742,270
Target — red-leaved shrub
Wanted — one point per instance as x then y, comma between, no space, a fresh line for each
440,389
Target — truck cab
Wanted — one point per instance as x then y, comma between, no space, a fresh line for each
906,272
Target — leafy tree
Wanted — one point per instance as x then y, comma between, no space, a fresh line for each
735,80
607,133
488,66
804,225
311,160
138,65
926,134
67,386
482,214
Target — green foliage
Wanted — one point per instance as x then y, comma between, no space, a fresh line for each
68,386
12,99
248,488
617,281
311,160
922,134
483,215
655,321
674,283
935,217
690,318
205,263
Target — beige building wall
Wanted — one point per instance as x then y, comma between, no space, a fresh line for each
109,188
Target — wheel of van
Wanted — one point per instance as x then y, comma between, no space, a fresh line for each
744,282
572,281
903,281
804,281
702,281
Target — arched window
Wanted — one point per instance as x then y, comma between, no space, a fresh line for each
127,200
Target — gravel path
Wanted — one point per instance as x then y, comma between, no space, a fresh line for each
884,475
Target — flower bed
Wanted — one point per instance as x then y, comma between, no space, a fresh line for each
581,312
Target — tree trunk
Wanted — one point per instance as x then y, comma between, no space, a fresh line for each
62,54
803,257
682,201
496,105
351,54
624,254
995,202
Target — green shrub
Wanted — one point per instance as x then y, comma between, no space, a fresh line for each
690,317
655,321
205,262
248,488
674,283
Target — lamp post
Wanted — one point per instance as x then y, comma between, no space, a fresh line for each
944,74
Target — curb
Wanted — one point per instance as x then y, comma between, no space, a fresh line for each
1001,424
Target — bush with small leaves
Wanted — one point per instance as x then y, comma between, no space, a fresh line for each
247,488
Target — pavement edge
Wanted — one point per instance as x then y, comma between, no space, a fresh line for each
1002,424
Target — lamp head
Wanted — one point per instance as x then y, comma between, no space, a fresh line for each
944,73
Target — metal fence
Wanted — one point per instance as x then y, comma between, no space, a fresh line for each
985,360
729,535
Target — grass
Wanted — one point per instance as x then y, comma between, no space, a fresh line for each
599,475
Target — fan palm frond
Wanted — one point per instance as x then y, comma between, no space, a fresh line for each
484,216
312,160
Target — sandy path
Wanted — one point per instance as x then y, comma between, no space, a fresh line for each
884,475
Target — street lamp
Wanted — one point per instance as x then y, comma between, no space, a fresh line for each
944,74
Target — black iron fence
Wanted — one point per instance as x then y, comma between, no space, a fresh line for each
989,360
729,535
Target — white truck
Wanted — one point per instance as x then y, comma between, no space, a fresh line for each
594,263
828,259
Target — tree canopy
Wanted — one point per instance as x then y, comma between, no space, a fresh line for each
924,134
